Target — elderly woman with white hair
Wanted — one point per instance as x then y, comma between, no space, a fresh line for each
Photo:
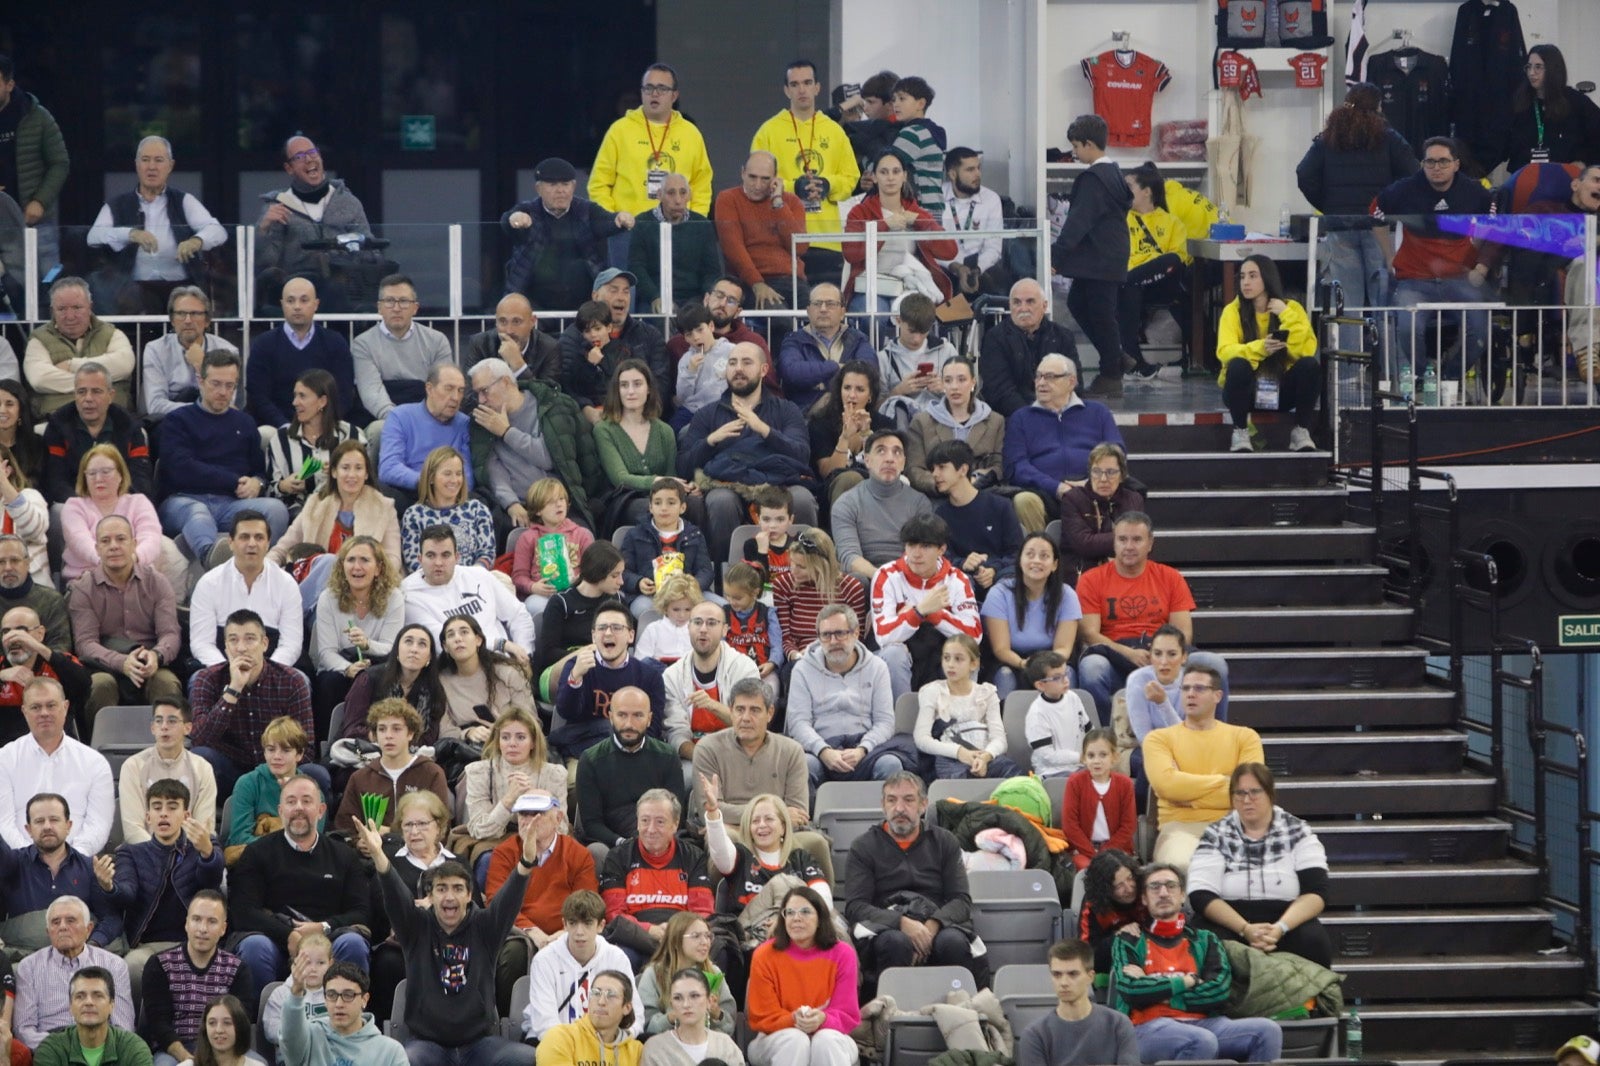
1048,442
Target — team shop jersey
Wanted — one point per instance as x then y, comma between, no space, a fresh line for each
1125,86
1308,70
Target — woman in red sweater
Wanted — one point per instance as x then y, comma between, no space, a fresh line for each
801,1001
903,265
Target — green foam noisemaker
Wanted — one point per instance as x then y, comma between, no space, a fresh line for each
374,807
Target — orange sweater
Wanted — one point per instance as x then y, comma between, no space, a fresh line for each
569,868
783,981
755,236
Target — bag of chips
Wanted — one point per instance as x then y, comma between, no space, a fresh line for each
554,562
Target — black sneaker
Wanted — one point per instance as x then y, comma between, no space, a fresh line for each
1143,372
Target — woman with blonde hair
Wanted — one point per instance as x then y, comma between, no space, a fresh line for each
104,488
359,614
516,760
26,515
346,505
814,580
765,848
684,944
444,499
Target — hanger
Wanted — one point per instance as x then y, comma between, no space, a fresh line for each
1122,40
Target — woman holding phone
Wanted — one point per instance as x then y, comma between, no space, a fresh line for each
1264,335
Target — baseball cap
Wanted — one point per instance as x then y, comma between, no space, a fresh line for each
554,169
610,274
1586,1046
533,803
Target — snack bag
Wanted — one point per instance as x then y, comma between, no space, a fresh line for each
667,563
554,561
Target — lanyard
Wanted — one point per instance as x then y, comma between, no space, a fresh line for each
1538,121
805,149
972,209
655,153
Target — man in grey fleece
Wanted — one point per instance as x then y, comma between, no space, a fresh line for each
1079,1032
867,519
450,949
393,358
314,208
350,1037
841,709
518,455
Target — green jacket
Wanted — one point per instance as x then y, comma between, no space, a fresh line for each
122,1048
42,159
1277,985
1129,994
568,436
696,257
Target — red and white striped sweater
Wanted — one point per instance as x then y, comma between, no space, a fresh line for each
896,591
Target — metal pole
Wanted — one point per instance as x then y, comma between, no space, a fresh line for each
30,270
455,275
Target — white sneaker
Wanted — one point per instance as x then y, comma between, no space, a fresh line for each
1300,440
1241,441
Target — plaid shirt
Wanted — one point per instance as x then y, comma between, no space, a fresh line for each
235,730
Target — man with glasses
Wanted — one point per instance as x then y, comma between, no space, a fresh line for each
841,707
651,155
724,298
756,224
313,209
212,465
1173,980
815,160
347,1034
1013,349
94,417
699,686
696,260
592,679
18,588
523,432
394,358
26,656
1434,264
74,338
1048,441
413,430
810,356
1189,765
171,362
279,356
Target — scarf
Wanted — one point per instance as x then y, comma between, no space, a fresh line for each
1168,928
310,193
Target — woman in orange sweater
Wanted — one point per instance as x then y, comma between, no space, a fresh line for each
801,1001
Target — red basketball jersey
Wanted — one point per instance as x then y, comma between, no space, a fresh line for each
1125,85
1308,70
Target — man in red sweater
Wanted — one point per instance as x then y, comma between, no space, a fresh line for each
754,225
650,877
564,866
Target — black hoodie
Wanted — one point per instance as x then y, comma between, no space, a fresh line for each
1094,239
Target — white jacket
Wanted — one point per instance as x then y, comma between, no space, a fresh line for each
558,991
475,591
679,683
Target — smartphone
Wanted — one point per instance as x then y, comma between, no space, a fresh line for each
1280,335
924,368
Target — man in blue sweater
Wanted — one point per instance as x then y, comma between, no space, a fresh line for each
985,535
412,430
212,465
1048,442
278,358
595,676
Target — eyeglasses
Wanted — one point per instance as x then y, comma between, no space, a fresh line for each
188,314
1437,163
611,627
652,89
799,912
604,995
395,301
1050,377
722,298
1054,679
346,996
414,827
301,157
1196,688
835,634
1106,475
1248,793
705,623
1159,887
826,304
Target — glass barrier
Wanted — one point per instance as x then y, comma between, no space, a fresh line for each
347,266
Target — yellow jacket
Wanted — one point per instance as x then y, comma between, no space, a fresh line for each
1168,231
1188,768
577,1044
1192,209
617,179
1232,345
827,153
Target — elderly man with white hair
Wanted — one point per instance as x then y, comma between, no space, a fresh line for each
1013,348
1048,442
43,1002
73,337
524,429
156,234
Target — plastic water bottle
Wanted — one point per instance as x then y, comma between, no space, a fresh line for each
1284,222
1352,1036
1430,386
1407,382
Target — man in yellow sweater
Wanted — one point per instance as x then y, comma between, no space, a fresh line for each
645,145
1188,765
815,161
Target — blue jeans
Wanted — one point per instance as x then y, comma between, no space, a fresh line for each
1408,292
484,1051
200,517
886,765
268,963
1354,260
1242,1039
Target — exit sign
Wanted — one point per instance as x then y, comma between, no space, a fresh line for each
1580,631
418,133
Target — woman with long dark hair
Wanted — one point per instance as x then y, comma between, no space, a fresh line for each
1111,903
225,1035
636,447
1551,122
1033,611
480,684
409,674
16,429
1263,334
1357,154
903,266
842,421
315,432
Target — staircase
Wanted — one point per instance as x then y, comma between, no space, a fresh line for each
1435,924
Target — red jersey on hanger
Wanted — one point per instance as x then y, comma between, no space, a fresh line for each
1125,85
1308,70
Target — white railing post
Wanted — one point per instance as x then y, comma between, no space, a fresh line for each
455,273
870,271
30,270
664,265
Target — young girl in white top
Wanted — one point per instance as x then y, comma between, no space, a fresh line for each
958,719
667,638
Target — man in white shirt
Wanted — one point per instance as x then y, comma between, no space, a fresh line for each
47,760
440,590
171,362
970,206
155,233
246,582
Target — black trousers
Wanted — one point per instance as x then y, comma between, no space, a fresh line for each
1164,280
1093,304
1300,391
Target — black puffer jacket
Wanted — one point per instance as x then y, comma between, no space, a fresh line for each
1344,183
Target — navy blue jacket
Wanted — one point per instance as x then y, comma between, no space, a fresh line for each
782,457
26,886
642,544
145,870
276,364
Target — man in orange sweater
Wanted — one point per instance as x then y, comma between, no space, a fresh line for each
564,866
754,225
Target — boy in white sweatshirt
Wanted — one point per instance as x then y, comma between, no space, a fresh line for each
559,976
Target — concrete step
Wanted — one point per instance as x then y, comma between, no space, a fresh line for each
1346,585
1325,795
1363,667
1435,751
1173,509
1281,626
1347,543
1286,710
1419,840
1468,884
1230,470
1473,931
1446,977
1462,1029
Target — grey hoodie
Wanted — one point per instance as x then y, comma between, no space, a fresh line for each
824,706
307,1043
896,363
